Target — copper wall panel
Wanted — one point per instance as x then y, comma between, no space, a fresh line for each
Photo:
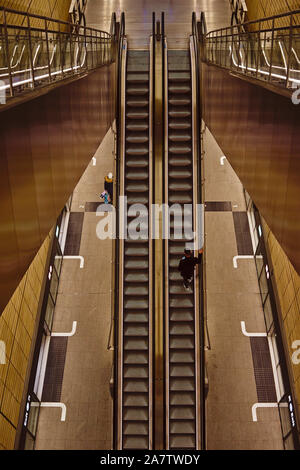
9,265
45,146
258,130
39,144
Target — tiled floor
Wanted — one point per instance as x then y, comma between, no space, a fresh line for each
85,296
232,296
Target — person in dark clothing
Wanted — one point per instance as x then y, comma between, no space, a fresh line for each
187,265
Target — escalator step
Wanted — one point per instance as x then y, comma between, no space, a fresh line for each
136,358
180,149
140,429
135,442
182,343
136,304
182,357
179,125
137,115
182,398
182,384
137,89
182,427
137,290
179,101
135,414
133,162
181,173
136,188
179,137
133,316
137,139
180,161
137,174
137,126
182,413
182,370
135,371
182,442
182,329
136,344
137,103
137,150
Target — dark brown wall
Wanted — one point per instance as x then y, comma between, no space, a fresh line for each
45,146
259,132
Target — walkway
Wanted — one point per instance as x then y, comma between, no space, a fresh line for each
84,296
237,365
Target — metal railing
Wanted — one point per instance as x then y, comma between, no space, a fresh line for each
121,59
266,49
36,51
199,30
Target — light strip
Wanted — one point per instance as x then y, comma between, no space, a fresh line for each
284,77
40,77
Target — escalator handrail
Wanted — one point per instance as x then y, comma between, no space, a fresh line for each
203,24
198,34
113,25
119,38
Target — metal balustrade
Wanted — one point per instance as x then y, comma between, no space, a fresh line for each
37,51
267,49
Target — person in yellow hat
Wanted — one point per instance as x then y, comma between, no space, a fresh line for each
109,185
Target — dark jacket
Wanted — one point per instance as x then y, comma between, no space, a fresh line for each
109,186
187,265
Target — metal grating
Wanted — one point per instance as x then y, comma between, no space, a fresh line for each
55,369
242,233
74,234
265,385
218,206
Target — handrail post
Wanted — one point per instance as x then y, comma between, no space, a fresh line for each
290,51
258,49
71,55
92,47
8,54
86,49
30,50
239,51
231,55
48,53
60,51
247,52
272,49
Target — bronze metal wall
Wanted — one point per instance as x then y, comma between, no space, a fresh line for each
45,146
258,131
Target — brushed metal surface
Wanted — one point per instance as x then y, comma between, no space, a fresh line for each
258,131
45,146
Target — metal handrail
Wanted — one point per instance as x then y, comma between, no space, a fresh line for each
199,30
51,51
266,53
248,23
26,14
120,58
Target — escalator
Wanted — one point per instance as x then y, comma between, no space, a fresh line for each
158,393
181,306
136,375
